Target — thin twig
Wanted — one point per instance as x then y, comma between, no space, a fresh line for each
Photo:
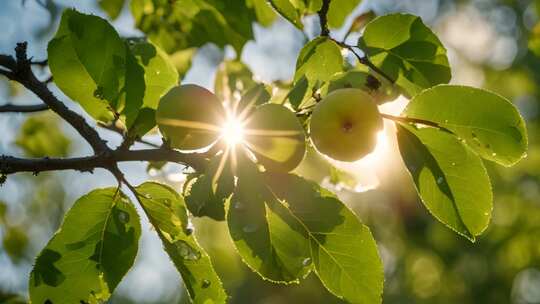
364,60
323,18
11,108
40,63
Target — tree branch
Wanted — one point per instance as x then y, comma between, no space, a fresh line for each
364,60
20,71
323,18
10,164
11,108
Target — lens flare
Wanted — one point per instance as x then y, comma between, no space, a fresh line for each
232,131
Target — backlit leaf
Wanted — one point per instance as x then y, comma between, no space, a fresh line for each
490,125
406,50
94,248
168,214
450,178
342,249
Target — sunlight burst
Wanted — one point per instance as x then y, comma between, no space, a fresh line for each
232,131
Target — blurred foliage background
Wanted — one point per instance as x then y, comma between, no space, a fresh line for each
491,43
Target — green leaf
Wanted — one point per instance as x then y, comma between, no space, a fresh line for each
111,78
339,10
15,242
131,99
299,93
342,249
167,213
178,25
267,238
265,13
92,76
288,10
113,8
233,78
450,178
406,50
41,136
159,74
145,121
255,96
208,193
318,60
95,247
182,60
487,122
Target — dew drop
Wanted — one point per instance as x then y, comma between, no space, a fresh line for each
186,251
123,217
250,228
167,202
439,180
453,164
306,261
190,228
493,154
98,92
486,213
446,121
205,283
238,205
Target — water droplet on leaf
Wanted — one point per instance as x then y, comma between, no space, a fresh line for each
190,228
123,217
238,205
250,228
440,180
306,261
186,251
205,283
98,93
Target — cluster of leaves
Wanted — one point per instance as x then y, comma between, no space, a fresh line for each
283,226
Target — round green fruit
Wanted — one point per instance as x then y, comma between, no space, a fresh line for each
189,116
344,125
275,136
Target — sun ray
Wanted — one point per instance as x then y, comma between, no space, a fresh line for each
272,133
190,124
220,168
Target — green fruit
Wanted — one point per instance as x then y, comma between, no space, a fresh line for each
276,137
344,125
189,117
